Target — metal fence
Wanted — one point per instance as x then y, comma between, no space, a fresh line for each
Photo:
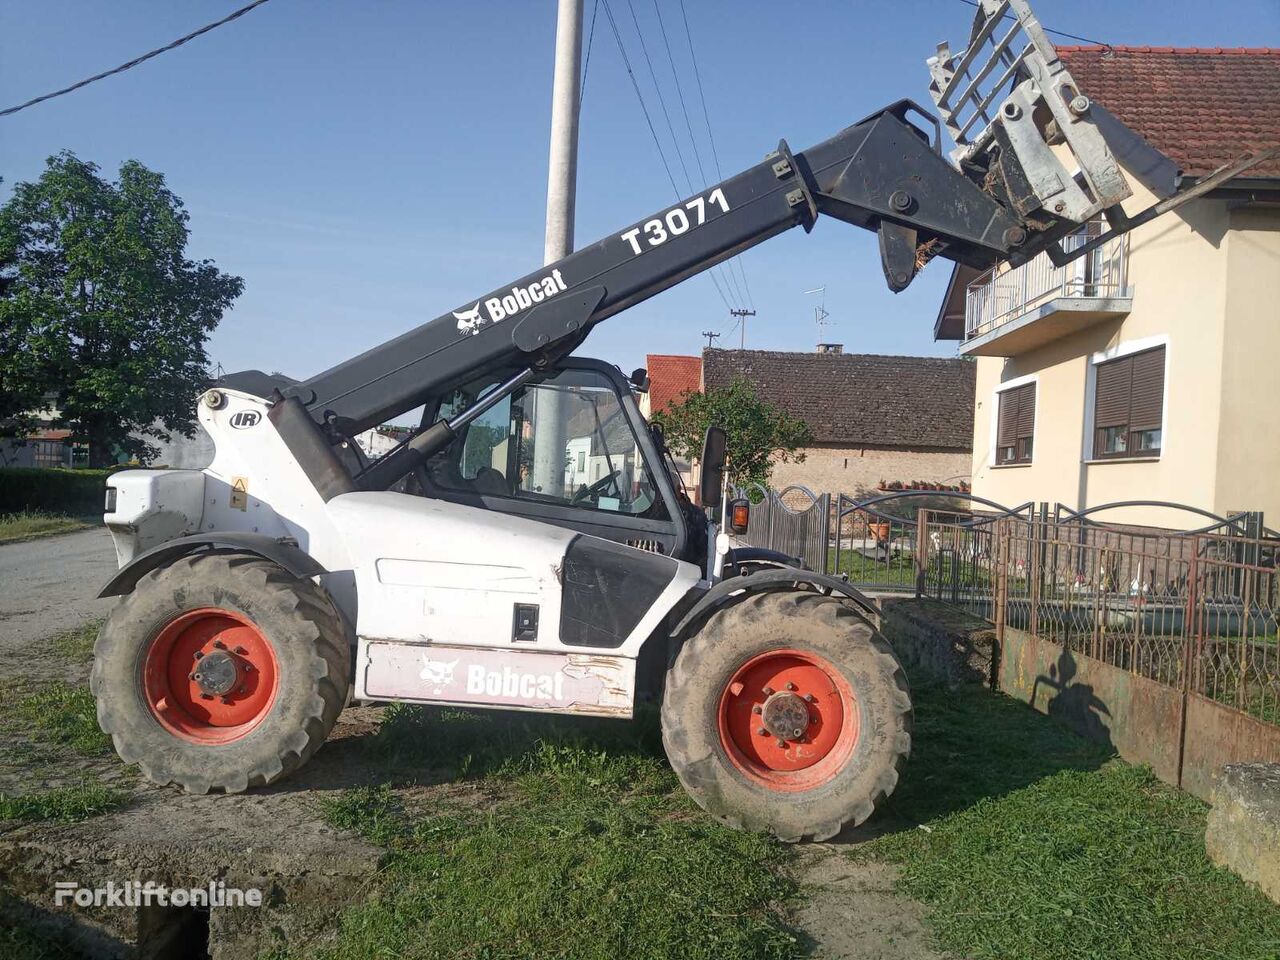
1197,611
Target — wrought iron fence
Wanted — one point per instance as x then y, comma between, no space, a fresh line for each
1196,610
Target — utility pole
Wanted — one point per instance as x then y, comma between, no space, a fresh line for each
710,338
742,317
562,184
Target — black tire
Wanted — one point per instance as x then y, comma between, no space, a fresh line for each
810,623
312,667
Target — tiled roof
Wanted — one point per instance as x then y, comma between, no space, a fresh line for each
670,376
860,399
1199,106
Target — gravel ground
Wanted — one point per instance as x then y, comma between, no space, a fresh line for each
51,585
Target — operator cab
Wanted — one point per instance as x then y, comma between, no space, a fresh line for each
569,449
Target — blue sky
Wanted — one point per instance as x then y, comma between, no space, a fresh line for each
366,166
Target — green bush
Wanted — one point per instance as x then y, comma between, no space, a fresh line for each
78,491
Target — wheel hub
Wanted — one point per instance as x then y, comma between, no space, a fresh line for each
210,676
788,719
216,673
785,716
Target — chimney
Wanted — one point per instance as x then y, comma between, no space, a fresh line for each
831,348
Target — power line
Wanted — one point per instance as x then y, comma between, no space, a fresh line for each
626,62
591,36
136,60
1061,33
727,276
693,141
706,117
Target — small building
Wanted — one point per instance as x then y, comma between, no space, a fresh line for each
671,376
1144,370
875,419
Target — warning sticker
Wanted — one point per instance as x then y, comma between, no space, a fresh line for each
239,493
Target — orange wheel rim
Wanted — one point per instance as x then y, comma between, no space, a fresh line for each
210,676
788,719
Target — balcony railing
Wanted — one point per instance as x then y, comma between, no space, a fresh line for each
1001,296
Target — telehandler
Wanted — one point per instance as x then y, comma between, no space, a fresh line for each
528,547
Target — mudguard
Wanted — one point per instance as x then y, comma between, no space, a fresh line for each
731,590
284,552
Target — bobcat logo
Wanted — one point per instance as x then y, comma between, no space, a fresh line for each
469,321
438,673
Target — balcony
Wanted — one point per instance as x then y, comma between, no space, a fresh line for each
1010,311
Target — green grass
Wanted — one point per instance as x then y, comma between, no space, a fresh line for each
30,524
591,850
77,644
22,942
1036,845
63,805
60,713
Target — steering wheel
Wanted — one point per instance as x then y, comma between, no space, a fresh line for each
594,491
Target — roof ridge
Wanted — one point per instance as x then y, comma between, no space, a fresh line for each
1124,48
828,356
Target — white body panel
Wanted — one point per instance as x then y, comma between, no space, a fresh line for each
428,587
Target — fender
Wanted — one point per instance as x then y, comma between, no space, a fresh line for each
731,590
282,551
738,557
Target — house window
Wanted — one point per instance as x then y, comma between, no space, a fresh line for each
1016,422
1128,406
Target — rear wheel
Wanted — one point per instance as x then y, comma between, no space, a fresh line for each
220,672
787,713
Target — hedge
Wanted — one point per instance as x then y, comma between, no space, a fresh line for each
52,489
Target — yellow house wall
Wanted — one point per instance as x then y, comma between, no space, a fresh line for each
1179,273
1248,452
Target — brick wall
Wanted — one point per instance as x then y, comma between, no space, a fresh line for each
858,470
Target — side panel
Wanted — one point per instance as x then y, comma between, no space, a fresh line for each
514,679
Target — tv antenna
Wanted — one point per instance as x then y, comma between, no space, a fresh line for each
820,313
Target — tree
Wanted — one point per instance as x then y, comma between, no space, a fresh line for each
100,305
758,433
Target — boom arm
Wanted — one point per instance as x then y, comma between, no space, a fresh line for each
883,174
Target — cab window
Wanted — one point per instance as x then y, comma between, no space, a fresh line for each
563,441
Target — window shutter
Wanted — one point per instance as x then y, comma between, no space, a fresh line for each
1146,405
1026,411
1016,419
1114,384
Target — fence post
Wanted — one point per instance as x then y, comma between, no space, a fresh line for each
1035,555
1191,658
1002,581
824,504
922,550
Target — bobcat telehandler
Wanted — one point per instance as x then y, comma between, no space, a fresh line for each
528,548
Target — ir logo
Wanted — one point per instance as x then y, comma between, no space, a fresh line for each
245,419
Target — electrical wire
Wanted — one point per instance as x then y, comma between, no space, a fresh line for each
586,65
1061,33
727,275
693,141
635,85
136,60
706,117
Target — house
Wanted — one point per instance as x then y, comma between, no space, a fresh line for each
1145,370
875,419
671,376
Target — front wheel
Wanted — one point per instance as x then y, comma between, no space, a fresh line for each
787,713
220,672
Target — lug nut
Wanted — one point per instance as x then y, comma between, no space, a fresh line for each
791,686
782,744
797,734
195,676
809,697
757,709
219,645
225,700
206,696
762,732
768,691
241,690
199,654
239,650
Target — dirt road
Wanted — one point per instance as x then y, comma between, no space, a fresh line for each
51,585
